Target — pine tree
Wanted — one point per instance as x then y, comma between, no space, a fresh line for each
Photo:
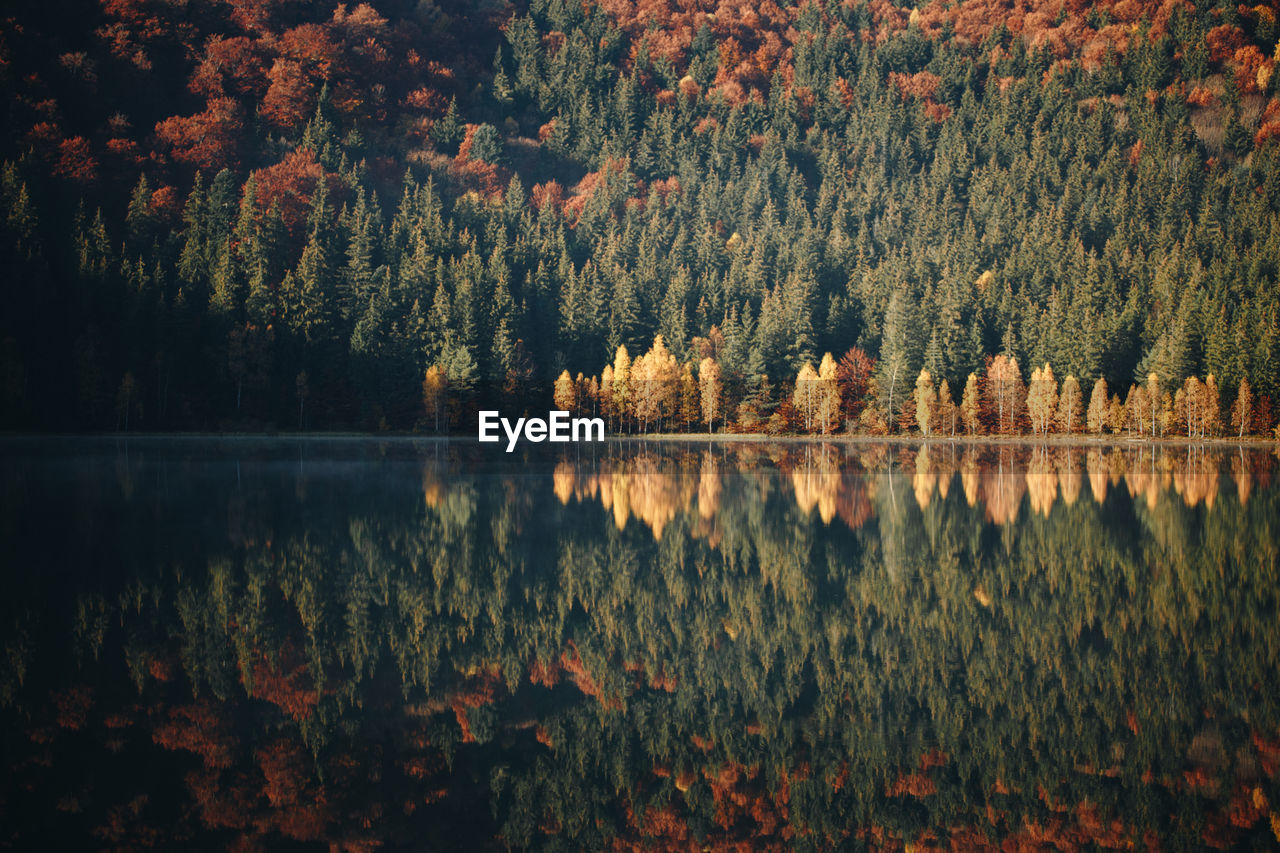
140,221
891,375
447,131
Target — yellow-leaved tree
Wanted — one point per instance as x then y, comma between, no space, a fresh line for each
926,402
711,388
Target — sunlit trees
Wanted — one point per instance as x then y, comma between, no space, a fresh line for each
1042,400
926,399
710,390
853,380
1154,396
948,414
1069,406
1004,396
654,383
692,216
620,391
828,412
805,395
1242,409
435,386
565,393
969,406
1099,407
1196,407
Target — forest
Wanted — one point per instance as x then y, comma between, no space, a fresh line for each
981,216
814,647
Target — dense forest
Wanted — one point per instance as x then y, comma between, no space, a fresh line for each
737,648
273,214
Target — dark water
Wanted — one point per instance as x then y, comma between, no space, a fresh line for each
261,644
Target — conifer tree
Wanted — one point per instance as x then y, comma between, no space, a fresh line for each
892,368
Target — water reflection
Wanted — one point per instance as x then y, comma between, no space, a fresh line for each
408,644
653,486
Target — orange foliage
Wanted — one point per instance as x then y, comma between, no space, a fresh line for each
1202,96
162,668
75,160
229,66
912,784
207,140
165,202
73,706
290,184
1223,41
545,676
197,728
288,101
286,683
921,85
550,193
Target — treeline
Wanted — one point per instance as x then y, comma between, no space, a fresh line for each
858,395
291,216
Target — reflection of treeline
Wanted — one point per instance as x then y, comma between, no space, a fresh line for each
749,675
835,483
856,394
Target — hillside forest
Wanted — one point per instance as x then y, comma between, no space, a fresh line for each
978,216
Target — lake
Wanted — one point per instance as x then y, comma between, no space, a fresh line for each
214,643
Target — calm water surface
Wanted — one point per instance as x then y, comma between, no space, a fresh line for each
360,644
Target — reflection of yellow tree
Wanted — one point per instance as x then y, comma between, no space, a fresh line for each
1069,477
709,486
925,478
1042,482
1002,489
816,482
564,479
1097,468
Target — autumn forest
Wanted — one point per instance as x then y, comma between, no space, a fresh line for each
968,217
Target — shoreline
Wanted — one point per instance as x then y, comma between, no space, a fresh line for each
1249,442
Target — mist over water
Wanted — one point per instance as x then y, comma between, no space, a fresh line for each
363,643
